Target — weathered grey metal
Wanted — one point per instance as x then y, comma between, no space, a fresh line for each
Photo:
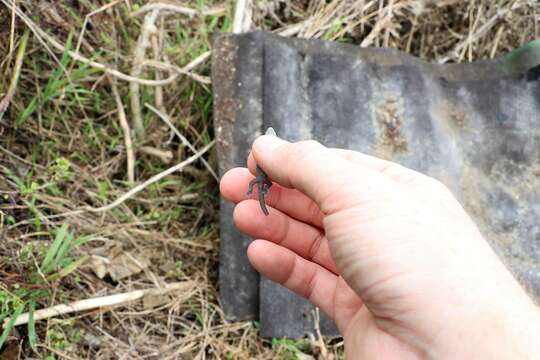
476,127
238,120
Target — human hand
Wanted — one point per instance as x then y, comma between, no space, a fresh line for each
385,251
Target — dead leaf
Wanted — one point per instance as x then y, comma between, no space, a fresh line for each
151,301
119,264
99,266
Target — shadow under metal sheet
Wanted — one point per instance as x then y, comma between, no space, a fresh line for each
475,127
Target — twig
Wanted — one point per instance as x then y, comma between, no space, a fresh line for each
87,19
156,49
57,352
4,103
320,339
95,303
242,16
12,30
127,133
178,70
379,26
38,166
113,72
294,29
178,9
153,179
186,70
484,29
40,34
143,42
127,195
164,156
182,138
496,42
197,61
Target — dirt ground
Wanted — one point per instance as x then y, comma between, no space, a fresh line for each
107,180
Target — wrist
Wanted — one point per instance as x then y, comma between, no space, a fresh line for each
499,333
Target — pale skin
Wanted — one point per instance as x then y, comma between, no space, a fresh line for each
387,252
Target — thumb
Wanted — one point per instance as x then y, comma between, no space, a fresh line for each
331,181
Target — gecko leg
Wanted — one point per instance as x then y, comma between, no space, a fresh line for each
252,183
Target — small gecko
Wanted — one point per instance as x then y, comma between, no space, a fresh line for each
262,181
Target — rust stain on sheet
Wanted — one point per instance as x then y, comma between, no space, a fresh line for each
389,116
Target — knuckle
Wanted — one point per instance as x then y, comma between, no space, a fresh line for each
290,273
315,245
285,231
313,211
311,284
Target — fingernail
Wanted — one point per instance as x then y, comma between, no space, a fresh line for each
266,144
270,131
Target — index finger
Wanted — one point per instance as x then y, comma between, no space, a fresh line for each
233,187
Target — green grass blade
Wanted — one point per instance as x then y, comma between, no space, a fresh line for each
82,240
63,250
29,110
53,88
7,329
32,337
46,265
71,267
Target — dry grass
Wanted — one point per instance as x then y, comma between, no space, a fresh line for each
443,31
76,133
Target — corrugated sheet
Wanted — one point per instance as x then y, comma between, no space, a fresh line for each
476,127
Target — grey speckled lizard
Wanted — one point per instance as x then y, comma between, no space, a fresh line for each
262,181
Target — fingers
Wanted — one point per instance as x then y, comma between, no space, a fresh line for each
303,239
234,184
305,278
320,173
309,280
